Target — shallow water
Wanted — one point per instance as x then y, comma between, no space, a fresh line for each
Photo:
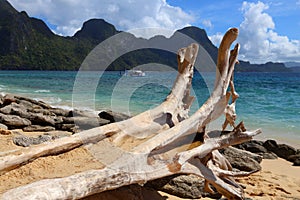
270,101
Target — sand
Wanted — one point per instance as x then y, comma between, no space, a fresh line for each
278,179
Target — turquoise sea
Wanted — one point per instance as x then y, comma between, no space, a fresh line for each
270,101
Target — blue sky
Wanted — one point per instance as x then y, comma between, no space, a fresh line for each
269,29
221,14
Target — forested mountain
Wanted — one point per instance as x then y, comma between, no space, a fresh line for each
26,43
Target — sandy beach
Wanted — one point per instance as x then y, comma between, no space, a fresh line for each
278,179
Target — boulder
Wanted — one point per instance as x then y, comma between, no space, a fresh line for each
40,119
281,150
296,162
269,155
14,121
253,146
295,159
35,128
241,159
112,116
184,186
130,192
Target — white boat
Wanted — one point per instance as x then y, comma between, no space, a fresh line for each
135,73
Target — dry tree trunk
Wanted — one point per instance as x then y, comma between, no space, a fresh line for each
160,139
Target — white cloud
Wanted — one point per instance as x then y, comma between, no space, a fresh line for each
207,23
259,40
298,2
216,39
68,15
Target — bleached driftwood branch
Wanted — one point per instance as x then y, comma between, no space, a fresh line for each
159,141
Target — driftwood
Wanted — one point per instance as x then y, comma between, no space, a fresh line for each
154,144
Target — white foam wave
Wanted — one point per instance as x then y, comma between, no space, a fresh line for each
2,94
42,91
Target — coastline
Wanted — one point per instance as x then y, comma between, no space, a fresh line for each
278,179
257,105
267,133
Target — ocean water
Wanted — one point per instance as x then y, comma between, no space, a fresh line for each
270,101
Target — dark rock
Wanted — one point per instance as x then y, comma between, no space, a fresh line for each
295,159
253,146
42,119
296,162
34,128
241,159
269,155
13,121
270,145
281,150
26,141
184,186
113,116
130,192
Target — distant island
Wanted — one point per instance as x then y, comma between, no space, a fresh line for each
27,43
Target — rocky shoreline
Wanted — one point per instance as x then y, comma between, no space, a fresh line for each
18,112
